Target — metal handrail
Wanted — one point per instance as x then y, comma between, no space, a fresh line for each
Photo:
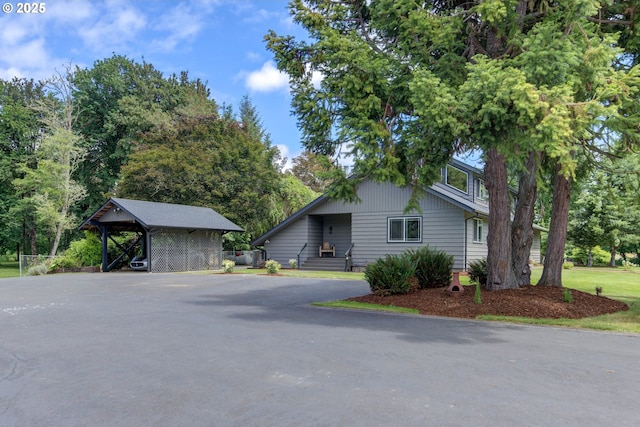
348,263
300,253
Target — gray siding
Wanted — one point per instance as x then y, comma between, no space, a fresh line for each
337,231
476,250
286,244
365,225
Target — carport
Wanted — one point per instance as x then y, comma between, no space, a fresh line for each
173,237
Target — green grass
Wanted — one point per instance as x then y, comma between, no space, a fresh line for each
9,269
616,283
365,306
287,272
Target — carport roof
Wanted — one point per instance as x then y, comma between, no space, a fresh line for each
164,215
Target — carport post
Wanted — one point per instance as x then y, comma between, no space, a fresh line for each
105,251
147,249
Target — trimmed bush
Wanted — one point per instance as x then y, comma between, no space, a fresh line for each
433,267
272,266
478,271
228,265
391,275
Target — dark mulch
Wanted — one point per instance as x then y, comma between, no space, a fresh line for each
530,301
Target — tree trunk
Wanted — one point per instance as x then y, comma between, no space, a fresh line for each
499,270
522,226
33,239
612,260
590,258
554,258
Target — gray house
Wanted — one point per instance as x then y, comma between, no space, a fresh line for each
346,235
173,237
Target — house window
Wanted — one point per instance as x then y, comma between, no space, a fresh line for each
481,191
456,178
477,231
404,229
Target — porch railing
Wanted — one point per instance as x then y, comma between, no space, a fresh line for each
348,261
300,253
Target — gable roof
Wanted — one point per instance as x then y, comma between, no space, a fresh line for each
165,215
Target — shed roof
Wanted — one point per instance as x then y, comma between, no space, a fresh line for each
154,214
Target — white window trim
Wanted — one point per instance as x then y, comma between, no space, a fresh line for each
446,179
481,191
404,220
478,231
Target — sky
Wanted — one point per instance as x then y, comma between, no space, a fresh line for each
219,41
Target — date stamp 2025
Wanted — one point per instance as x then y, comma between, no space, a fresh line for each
24,8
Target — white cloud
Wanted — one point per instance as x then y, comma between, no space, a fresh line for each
70,12
115,29
267,79
284,152
182,23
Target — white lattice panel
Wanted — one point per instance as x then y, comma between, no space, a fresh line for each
181,250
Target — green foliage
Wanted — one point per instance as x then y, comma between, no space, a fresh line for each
391,275
293,263
272,266
84,252
568,265
39,269
228,265
121,98
477,270
206,161
567,296
477,296
598,255
432,267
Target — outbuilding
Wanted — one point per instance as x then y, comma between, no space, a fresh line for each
172,237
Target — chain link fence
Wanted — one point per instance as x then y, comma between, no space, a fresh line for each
35,265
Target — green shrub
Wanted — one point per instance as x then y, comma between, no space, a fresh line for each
478,271
477,296
37,270
85,252
293,263
598,255
391,275
272,266
567,265
228,265
567,296
433,267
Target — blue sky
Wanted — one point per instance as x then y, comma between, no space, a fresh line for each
219,41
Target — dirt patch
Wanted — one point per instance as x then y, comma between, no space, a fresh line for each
539,302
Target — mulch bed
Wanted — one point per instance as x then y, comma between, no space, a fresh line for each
529,301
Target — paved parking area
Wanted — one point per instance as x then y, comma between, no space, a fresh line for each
139,349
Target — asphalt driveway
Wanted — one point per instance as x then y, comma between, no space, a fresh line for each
139,349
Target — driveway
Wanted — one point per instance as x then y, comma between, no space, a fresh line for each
139,349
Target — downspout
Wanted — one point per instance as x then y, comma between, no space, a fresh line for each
466,244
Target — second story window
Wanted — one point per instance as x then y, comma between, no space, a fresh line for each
481,191
477,231
457,178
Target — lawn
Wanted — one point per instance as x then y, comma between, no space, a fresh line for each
9,269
